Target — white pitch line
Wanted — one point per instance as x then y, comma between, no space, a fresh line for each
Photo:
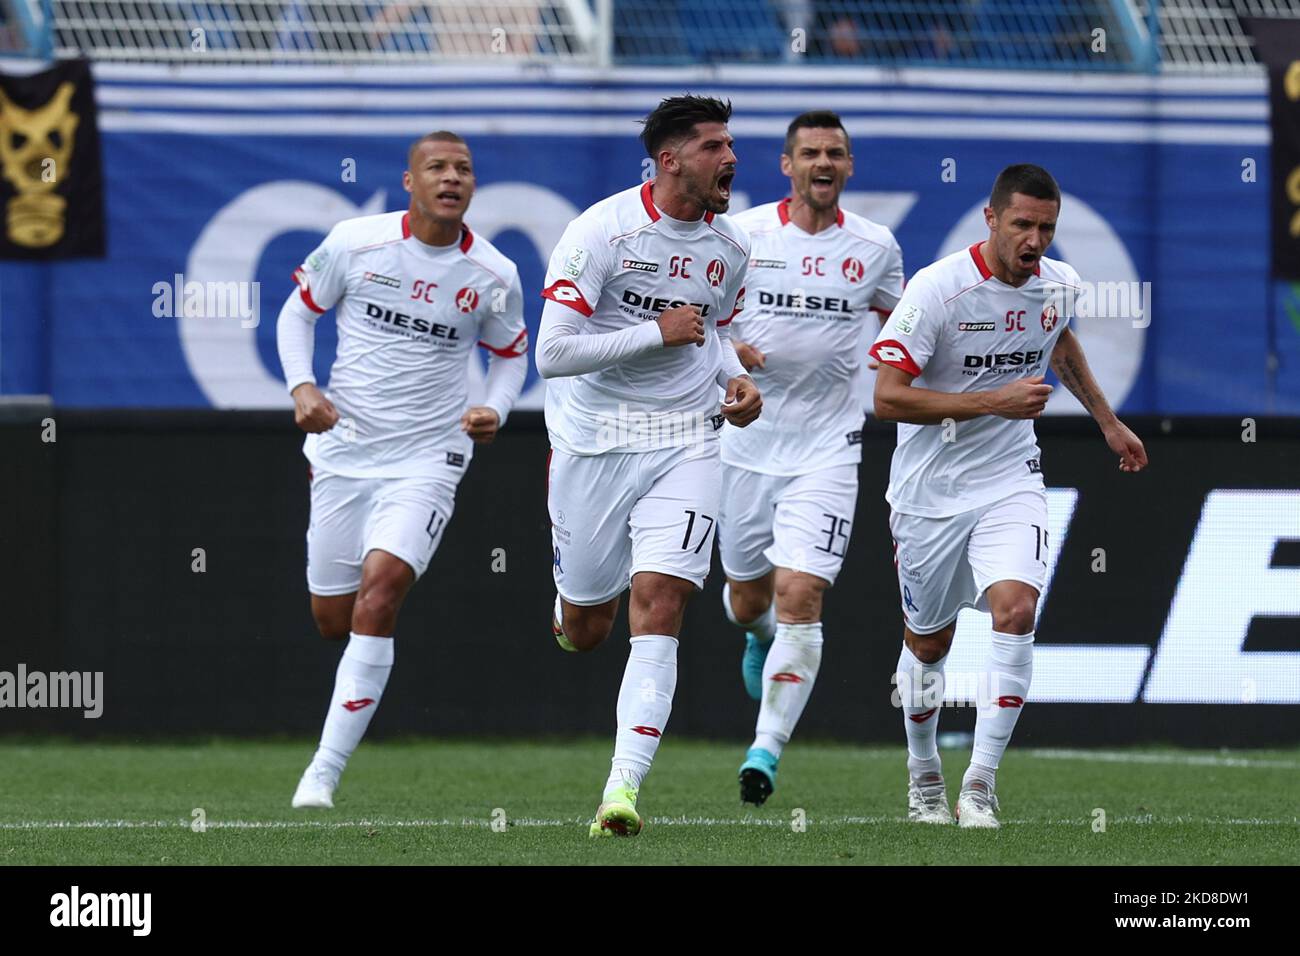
1188,760
481,824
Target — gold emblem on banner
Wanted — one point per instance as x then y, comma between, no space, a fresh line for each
35,153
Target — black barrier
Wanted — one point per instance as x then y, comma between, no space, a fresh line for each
165,552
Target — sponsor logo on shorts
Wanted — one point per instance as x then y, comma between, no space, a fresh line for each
854,437
647,731
640,266
907,599
455,459
718,421
559,568
355,705
976,326
767,263
389,281
1034,467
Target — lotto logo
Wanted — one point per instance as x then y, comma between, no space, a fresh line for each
716,272
466,299
566,293
891,352
852,269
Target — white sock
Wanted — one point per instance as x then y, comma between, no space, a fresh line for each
644,702
358,686
1000,698
788,677
920,694
763,628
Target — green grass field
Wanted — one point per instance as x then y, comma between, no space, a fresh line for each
434,802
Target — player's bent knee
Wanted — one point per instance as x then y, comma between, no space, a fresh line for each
749,603
1017,619
799,597
930,648
333,616
658,603
586,628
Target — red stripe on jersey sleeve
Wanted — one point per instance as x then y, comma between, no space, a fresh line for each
893,352
300,278
737,308
514,350
566,293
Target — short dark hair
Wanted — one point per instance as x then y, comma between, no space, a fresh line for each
814,119
1024,178
437,136
675,118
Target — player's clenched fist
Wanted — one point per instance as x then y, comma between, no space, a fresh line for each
480,423
749,356
743,403
312,411
681,326
1025,398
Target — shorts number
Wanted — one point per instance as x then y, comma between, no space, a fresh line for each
434,527
1040,543
690,526
836,528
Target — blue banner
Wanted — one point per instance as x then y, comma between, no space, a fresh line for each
219,181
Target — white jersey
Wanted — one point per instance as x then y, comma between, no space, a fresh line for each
958,328
409,315
624,262
808,309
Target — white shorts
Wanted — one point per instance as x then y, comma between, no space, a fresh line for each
350,517
800,522
616,514
946,564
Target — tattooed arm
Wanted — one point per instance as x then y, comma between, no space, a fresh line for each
1071,367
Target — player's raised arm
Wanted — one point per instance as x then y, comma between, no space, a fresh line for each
1071,367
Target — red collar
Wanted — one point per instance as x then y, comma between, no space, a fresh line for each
649,203
783,212
982,266
466,237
